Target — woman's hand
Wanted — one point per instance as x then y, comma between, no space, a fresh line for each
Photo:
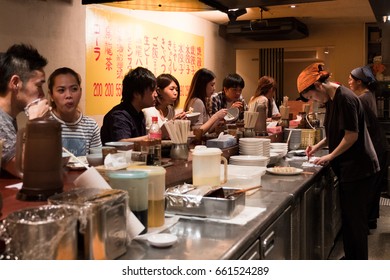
323,160
180,116
220,114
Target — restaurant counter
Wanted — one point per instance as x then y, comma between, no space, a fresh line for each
204,239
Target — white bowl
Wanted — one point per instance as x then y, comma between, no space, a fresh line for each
232,114
193,117
95,159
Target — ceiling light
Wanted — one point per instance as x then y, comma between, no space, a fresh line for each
233,14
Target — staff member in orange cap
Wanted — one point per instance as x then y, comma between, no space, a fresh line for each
351,153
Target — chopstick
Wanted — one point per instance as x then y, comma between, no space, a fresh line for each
76,158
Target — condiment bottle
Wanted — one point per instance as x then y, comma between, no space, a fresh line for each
156,135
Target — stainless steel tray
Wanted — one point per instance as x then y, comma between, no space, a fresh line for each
208,207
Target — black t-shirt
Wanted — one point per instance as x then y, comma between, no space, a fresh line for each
122,121
345,112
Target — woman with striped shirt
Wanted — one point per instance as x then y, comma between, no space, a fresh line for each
79,132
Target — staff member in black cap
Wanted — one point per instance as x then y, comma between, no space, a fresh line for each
363,83
351,153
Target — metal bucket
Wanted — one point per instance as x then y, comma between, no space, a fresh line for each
43,233
102,222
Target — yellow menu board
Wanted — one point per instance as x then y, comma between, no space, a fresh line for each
116,43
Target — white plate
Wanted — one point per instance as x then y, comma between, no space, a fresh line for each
162,239
232,114
121,145
191,115
75,165
296,171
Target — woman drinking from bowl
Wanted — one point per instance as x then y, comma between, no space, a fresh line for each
201,88
79,132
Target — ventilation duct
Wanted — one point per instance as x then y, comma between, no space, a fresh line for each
265,30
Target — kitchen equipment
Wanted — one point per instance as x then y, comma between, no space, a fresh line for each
102,222
156,190
240,191
206,166
202,206
43,233
135,182
40,161
179,151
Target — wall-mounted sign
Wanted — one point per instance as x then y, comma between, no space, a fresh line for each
116,43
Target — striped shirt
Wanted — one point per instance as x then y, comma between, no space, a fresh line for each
78,137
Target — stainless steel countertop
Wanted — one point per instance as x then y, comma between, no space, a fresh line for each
199,239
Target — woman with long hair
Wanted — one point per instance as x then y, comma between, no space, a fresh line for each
201,88
264,95
168,98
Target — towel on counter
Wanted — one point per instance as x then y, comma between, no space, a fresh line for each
245,216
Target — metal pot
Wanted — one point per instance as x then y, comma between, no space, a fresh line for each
43,233
102,220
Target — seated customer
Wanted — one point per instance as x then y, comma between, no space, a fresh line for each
168,98
22,76
126,121
79,132
264,95
230,96
201,88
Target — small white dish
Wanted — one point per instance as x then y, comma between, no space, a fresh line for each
191,115
162,239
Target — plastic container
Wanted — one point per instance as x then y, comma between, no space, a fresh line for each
243,176
135,182
205,166
156,191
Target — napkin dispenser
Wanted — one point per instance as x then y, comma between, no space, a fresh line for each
221,143
102,223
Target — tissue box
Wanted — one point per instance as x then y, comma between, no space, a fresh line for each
221,143
275,129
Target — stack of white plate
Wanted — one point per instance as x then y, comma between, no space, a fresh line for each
249,160
295,138
281,148
266,146
251,146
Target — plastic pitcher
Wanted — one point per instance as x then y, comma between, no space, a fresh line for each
206,168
